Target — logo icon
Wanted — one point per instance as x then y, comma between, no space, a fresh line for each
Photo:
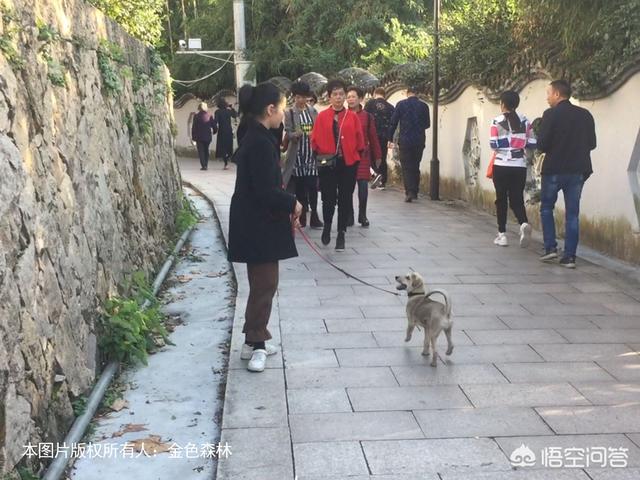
523,456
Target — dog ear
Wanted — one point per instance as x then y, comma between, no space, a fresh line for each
415,279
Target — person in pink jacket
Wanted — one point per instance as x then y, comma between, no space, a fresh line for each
372,151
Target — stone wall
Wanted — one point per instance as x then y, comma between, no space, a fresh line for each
88,194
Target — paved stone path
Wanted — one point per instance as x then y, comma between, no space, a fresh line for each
545,357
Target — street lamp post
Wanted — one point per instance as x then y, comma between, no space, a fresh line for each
435,163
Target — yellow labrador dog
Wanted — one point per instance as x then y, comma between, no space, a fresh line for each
426,313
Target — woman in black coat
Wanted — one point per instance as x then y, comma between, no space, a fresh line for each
224,142
202,128
262,216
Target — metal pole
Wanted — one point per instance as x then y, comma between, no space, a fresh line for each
242,66
435,163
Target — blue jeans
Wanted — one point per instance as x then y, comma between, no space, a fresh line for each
571,186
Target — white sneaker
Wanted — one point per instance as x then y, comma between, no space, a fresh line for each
525,235
501,240
247,350
258,361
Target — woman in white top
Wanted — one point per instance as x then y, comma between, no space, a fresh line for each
511,134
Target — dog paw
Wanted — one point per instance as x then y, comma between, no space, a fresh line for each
407,339
450,350
434,363
426,353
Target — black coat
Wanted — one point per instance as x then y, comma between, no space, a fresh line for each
567,135
202,127
224,142
260,228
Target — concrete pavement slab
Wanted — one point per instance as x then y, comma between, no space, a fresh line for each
523,395
481,422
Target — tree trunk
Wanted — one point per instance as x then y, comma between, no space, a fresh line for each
169,31
184,21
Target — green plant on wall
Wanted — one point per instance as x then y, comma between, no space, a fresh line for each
186,216
128,121
10,30
47,35
111,82
143,119
128,333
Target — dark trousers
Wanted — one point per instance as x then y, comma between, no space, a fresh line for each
363,195
203,153
509,183
263,283
336,186
410,158
382,169
307,192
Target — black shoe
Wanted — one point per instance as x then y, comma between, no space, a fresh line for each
340,242
202,168
549,255
568,262
326,234
362,220
315,221
350,220
408,199
303,218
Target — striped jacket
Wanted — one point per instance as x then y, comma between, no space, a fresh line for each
510,145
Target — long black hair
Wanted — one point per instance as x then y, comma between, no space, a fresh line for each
511,100
253,101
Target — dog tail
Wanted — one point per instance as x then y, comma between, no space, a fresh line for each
447,299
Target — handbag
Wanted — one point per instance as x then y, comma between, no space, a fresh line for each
330,160
491,162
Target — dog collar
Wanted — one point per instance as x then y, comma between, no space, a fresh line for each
415,294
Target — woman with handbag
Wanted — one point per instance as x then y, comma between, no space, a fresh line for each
300,164
511,134
262,215
355,96
338,143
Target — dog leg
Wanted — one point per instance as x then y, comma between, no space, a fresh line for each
447,332
409,332
425,350
434,358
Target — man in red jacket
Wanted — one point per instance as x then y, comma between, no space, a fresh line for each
337,133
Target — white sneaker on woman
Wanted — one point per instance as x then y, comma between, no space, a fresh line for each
525,235
247,350
258,361
501,240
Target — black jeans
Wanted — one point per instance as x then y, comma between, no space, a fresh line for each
382,169
307,191
336,186
203,153
363,195
410,158
509,183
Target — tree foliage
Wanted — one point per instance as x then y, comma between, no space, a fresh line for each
141,18
484,41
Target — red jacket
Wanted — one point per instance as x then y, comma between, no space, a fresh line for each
351,140
372,145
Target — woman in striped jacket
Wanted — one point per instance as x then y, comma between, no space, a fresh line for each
511,134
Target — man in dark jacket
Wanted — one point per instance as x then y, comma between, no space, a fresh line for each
567,135
203,127
413,116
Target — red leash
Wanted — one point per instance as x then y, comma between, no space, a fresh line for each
326,260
